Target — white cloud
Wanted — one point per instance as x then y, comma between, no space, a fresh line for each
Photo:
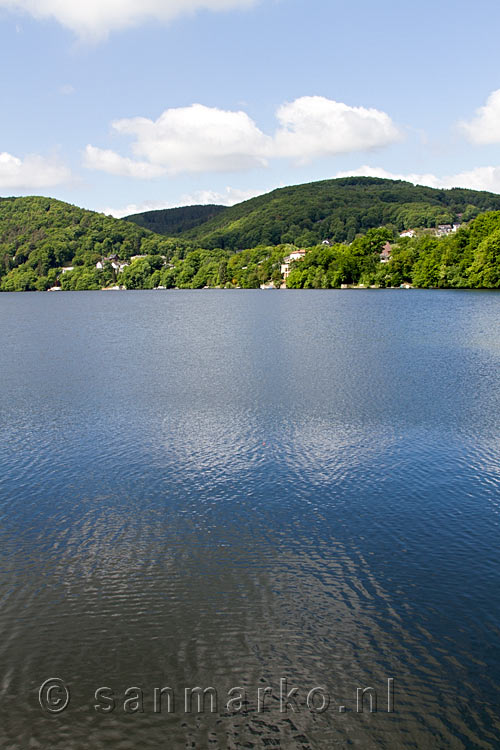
484,128
108,161
94,19
479,178
31,173
67,89
206,139
229,197
314,126
136,208
198,139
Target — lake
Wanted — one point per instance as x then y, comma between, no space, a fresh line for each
253,492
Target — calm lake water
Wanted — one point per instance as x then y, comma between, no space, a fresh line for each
228,489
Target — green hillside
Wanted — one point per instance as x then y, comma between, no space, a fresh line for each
46,243
39,236
174,221
337,210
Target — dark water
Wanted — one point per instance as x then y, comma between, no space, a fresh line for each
233,488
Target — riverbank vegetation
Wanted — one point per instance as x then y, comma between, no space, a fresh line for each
49,244
469,258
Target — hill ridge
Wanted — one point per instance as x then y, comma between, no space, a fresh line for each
336,209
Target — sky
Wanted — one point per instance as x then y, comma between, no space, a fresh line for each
129,105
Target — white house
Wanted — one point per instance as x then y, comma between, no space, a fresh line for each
443,229
408,233
294,255
116,264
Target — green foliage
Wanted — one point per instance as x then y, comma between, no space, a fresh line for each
40,236
468,259
485,268
337,210
174,221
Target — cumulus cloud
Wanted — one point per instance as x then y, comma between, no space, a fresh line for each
198,139
479,178
206,139
94,19
484,128
105,160
31,173
228,197
314,126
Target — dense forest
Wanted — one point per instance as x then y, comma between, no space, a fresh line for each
45,244
469,258
337,210
173,221
40,236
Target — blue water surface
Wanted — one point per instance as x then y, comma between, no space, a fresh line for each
233,488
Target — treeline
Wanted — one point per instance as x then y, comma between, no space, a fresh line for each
198,269
46,243
468,259
337,210
39,236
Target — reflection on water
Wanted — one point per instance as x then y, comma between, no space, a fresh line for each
227,489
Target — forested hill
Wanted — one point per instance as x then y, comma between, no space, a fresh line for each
337,210
174,221
39,236
47,244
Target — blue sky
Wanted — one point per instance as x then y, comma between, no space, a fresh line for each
120,105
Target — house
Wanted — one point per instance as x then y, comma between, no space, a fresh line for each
385,254
456,227
116,264
326,242
443,230
294,255
66,269
408,233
